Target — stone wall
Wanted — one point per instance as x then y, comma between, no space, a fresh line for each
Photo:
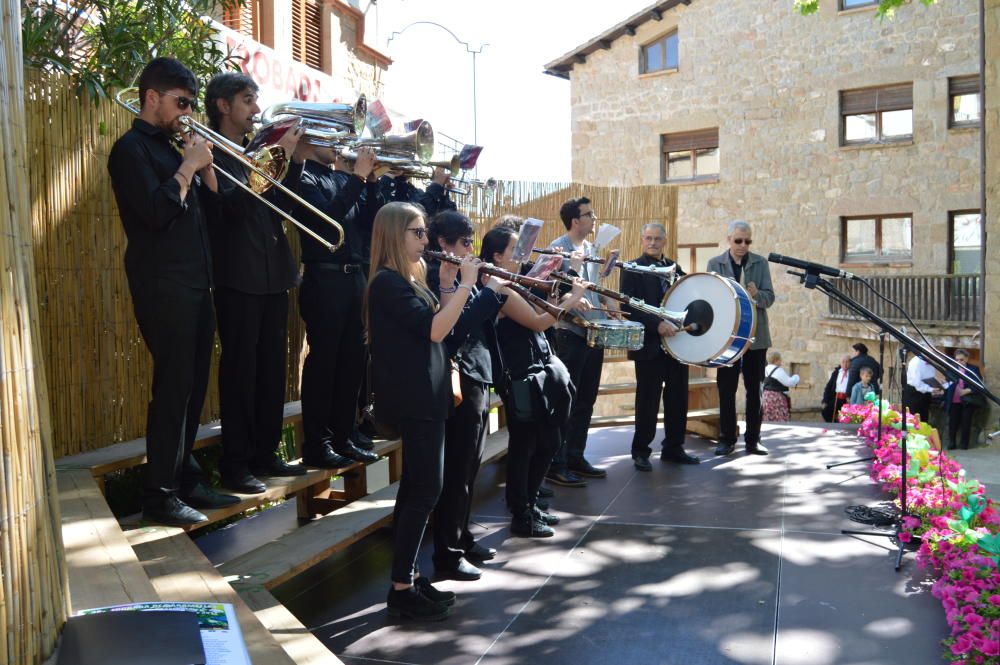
991,350
769,80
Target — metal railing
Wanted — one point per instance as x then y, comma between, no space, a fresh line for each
926,298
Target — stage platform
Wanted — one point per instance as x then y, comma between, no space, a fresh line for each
736,560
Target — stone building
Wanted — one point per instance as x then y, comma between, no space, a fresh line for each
843,140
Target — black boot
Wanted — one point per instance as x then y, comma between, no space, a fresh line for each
411,604
526,525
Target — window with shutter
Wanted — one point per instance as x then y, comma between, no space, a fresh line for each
964,108
690,156
876,115
244,18
307,32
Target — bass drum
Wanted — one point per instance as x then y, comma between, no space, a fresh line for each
725,316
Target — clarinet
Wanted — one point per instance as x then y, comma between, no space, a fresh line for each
490,269
554,311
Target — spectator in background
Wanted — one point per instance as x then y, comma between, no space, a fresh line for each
961,403
859,359
862,387
835,393
775,402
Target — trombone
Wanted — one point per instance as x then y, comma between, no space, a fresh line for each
267,165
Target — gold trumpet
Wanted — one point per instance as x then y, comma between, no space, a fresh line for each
267,166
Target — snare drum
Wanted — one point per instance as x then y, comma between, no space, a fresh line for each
613,334
724,313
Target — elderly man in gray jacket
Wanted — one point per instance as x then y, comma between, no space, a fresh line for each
752,271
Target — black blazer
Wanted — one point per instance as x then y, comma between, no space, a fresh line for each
410,373
650,289
973,398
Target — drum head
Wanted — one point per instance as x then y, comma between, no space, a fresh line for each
710,301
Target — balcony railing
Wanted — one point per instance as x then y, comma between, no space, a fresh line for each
926,298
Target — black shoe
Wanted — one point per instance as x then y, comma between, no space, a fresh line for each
582,467
204,497
411,604
480,553
542,504
566,479
173,512
463,571
545,492
725,448
642,463
350,451
361,440
545,518
678,456
528,527
327,459
278,468
367,427
756,449
427,590
245,484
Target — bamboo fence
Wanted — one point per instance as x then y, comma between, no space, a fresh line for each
33,588
97,365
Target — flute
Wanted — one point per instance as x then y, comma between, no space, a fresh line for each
554,311
631,266
490,269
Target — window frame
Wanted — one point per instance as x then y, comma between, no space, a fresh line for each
661,39
961,83
690,142
951,237
892,102
865,5
877,258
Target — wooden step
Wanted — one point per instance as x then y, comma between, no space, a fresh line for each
101,566
629,420
283,559
180,572
280,487
697,383
128,454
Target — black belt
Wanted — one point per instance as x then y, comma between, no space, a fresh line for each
336,267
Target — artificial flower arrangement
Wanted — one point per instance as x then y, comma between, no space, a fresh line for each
957,525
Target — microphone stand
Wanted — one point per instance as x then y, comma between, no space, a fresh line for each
811,279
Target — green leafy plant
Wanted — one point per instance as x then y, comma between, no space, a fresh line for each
104,44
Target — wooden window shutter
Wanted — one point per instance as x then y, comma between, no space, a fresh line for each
696,140
872,100
964,85
307,32
244,19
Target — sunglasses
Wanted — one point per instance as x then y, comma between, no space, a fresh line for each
740,241
419,231
182,102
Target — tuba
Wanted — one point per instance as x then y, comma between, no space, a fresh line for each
322,123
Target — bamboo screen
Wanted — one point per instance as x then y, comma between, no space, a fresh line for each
97,366
33,587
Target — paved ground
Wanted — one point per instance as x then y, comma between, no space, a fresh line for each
737,560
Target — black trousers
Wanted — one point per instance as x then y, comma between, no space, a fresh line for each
464,436
960,418
917,402
330,303
253,330
727,379
178,325
584,364
530,447
660,379
419,489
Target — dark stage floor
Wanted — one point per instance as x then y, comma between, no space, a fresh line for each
737,560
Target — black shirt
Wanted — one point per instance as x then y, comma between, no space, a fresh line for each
167,237
737,267
470,340
410,373
347,199
250,251
435,199
650,289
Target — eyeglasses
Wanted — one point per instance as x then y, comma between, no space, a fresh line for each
589,213
740,241
466,242
182,102
419,231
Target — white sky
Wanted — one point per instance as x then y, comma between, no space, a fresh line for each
524,114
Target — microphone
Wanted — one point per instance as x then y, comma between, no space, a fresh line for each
811,267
